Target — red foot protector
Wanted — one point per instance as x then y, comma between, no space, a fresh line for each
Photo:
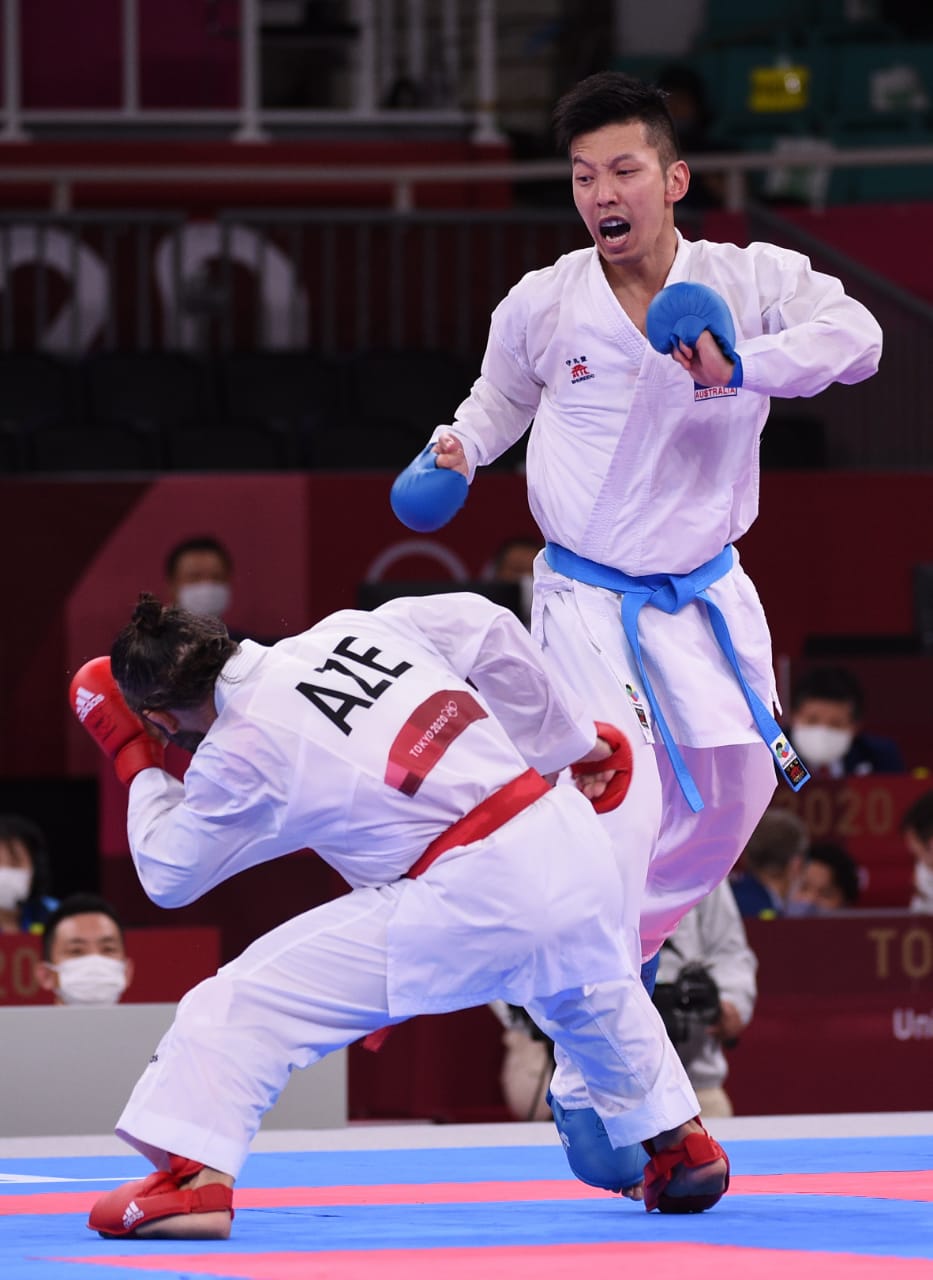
696,1149
620,760
121,1212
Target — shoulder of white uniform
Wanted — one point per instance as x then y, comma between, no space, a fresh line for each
567,267
735,257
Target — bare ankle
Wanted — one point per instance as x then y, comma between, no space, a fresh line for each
207,1177
673,1137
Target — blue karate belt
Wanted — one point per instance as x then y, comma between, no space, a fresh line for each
670,592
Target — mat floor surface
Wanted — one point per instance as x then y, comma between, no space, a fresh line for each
835,1197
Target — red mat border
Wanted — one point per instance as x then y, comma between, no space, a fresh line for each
913,1185
659,1260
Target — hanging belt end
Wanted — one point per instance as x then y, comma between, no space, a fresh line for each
792,769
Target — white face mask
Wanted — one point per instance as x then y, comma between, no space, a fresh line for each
91,980
821,745
923,879
15,883
206,599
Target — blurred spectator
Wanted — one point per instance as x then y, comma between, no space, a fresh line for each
514,562
84,956
706,992
527,1064
198,573
688,103
828,882
25,875
917,826
826,711
199,578
770,863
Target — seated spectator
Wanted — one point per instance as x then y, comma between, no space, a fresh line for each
527,1064
688,103
84,955
917,827
199,578
826,727
25,904
770,863
706,992
198,573
828,882
514,562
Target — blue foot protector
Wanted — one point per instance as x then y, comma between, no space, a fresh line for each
590,1154
425,496
682,311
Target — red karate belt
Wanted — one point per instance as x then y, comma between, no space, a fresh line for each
488,816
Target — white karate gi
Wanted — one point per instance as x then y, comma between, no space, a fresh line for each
362,739
632,466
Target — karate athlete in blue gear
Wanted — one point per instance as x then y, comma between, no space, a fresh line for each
642,468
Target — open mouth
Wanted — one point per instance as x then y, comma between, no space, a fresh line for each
614,228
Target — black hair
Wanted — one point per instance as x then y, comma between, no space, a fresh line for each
168,657
919,817
15,827
779,837
829,684
201,543
77,904
612,97
842,867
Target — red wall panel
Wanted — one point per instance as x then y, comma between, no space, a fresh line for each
831,554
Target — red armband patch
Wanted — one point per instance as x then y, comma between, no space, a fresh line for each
426,735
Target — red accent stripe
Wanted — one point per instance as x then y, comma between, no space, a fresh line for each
426,735
488,816
661,1260
915,1185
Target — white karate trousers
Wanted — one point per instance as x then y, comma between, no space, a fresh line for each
668,857
323,980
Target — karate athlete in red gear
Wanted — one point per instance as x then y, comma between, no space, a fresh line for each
407,747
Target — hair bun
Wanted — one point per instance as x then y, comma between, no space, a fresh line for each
147,616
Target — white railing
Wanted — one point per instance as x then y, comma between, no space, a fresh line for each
402,181
382,25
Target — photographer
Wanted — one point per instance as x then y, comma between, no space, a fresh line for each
706,993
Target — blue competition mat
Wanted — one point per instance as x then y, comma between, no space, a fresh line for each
853,1207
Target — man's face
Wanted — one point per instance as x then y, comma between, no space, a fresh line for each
16,876
90,933
199,566
13,853
87,961
621,191
201,583
817,888
823,711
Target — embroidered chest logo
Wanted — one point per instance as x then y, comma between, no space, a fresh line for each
579,369
712,393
